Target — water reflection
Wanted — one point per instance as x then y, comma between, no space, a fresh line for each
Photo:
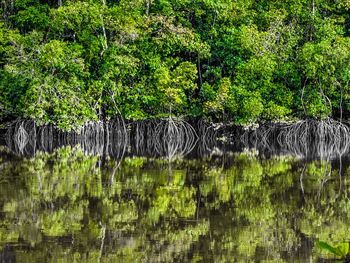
174,139
67,206
340,250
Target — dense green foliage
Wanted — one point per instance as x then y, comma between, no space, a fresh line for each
66,62
67,207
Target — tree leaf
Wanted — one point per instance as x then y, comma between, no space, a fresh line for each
329,248
343,249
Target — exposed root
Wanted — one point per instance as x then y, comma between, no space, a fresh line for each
95,138
172,138
168,138
208,134
19,136
324,139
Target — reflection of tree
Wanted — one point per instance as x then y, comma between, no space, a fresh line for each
65,196
265,216
327,207
247,208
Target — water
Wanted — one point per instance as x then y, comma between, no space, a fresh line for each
219,204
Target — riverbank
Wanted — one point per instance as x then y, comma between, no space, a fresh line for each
173,138
225,130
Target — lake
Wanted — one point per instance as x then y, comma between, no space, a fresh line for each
138,200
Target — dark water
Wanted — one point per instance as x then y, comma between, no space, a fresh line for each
213,205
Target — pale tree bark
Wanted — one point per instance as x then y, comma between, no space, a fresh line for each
199,71
302,96
148,6
59,2
313,18
103,236
105,43
341,97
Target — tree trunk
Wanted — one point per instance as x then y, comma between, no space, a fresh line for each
147,7
199,71
105,42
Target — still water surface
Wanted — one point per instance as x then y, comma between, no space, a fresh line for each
67,205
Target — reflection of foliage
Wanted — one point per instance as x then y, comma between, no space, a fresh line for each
254,208
341,250
66,195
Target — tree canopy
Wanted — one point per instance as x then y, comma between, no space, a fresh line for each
66,62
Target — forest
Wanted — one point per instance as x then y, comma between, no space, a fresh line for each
65,62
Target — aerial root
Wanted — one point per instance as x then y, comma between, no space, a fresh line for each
178,137
208,134
25,137
104,138
174,137
20,135
306,138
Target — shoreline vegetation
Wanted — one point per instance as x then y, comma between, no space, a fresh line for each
173,138
67,63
